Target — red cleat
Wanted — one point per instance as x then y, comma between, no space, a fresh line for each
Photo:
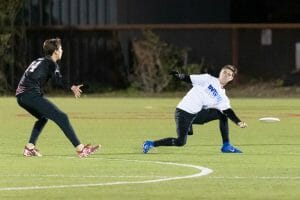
88,150
31,152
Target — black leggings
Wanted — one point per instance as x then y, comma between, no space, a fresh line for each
183,121
43,109
207,115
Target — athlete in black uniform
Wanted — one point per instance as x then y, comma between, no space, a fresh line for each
30,97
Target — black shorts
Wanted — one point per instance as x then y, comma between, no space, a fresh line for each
207,115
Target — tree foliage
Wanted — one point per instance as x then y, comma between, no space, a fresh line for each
8,33
153,60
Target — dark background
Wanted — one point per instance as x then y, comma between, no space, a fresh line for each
98,51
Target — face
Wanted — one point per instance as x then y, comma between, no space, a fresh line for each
58,53
225,76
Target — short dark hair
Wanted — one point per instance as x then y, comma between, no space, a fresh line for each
232,68
51,45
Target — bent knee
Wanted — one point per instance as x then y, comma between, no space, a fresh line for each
62,116
181,143
44,119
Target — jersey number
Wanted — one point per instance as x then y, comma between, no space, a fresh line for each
33,65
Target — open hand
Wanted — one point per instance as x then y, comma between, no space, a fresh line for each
242,124
76,90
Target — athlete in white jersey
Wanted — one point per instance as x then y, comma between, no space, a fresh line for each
207,92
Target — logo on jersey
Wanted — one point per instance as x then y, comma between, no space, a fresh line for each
213,93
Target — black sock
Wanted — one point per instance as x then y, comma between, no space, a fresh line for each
165,142
223,125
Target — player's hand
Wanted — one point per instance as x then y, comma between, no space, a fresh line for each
242,124
177,75
174,73
76,90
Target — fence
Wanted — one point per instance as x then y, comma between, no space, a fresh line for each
99,52
102,53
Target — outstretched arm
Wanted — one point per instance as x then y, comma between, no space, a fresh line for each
180,76
233,117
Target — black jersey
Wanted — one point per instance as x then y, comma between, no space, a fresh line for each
37,75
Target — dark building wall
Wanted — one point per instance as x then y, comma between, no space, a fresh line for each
255,60
265,11
70,12
214,46
89,56
267,61
173,11
94,52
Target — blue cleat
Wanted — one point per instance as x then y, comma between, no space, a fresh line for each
228,148
147,146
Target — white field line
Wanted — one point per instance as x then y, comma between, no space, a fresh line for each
125,176
202,172
78,176
258,177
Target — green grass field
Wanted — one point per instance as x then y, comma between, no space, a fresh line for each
269,168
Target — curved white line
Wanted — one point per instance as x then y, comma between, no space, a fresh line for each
203,171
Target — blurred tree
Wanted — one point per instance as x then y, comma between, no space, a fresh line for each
154,59
9,32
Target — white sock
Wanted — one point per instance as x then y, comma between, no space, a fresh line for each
30,145
79,147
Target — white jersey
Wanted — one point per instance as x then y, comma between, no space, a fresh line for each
206,92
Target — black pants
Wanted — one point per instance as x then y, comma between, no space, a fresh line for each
207,115
43,109
183,121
